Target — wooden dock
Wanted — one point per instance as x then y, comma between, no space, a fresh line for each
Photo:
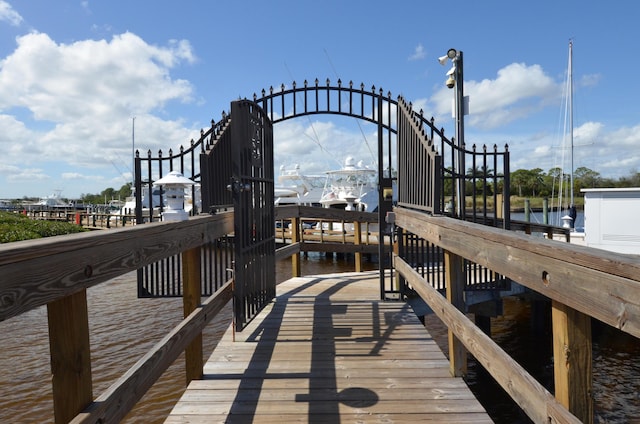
328,350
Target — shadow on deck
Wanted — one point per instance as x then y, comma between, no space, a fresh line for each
329,350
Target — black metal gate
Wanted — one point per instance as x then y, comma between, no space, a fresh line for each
416,168
252,188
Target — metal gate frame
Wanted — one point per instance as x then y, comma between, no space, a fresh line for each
252,187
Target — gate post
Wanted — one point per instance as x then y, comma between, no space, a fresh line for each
454,276
191,296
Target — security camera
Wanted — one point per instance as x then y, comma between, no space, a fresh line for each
443,60
451,82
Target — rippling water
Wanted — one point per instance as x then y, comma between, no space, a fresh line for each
123,328
616,365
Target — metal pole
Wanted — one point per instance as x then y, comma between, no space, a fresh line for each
459,111
133,151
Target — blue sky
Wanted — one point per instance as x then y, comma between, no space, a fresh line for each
74,73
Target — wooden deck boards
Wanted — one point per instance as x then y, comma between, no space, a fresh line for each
329,351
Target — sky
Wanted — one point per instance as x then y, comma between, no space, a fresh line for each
76,78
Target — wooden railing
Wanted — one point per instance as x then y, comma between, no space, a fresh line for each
92,220
57,271
313,229
581,282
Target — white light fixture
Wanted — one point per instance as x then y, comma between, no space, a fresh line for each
174,184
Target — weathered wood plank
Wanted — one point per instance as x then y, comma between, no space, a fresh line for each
121,396
361,418
70,355
530,395
35,272
328,350
601,284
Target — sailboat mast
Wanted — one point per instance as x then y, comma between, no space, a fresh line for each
133,151
570,77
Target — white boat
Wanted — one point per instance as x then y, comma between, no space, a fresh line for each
148,201
353,187
53,201
298,189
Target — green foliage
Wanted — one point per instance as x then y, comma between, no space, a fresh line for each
534,183
107,194
16,227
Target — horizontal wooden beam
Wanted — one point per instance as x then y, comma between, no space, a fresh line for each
601,284
116,402
36,272
287,251
338,247
531,396
312,212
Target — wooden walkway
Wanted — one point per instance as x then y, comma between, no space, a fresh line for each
329,351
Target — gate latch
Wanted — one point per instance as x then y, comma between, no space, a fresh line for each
237,186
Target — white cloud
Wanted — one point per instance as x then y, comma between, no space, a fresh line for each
517,92
79,98
7,14
419,53
320,146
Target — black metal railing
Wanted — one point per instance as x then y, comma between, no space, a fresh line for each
419,164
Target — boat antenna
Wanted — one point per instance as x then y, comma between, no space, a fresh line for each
357,120
315,137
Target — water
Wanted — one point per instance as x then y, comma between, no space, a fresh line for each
616,365
123,328
554,218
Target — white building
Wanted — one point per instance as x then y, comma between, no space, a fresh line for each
612,219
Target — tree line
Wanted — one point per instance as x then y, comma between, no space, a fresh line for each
524,183
536,183
106,195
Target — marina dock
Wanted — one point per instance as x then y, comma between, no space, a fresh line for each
329,350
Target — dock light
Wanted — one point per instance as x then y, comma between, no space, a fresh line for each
174,185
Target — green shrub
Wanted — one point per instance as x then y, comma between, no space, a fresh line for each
16,227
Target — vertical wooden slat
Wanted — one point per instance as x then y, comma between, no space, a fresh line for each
357,241
295,238
70,355
454,274
191,300
572,360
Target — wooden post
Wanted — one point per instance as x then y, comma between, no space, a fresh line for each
191,297
454,275
70,355
357,240
295,238
572,360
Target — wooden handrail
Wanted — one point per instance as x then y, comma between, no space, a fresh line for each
36,272
56,271
601,284
531,396
581,282
116,402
